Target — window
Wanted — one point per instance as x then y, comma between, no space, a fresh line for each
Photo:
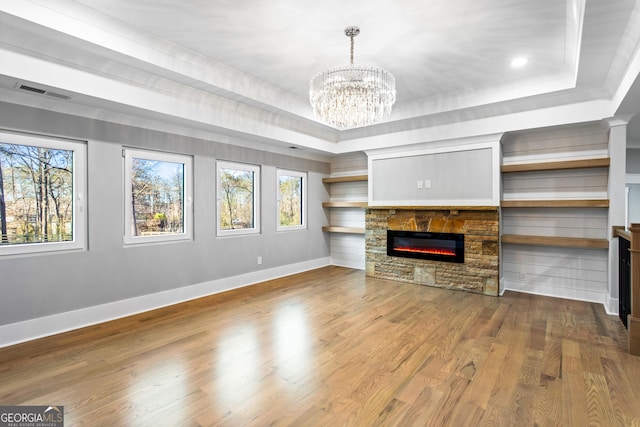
238,198
158,197
42,194
291,200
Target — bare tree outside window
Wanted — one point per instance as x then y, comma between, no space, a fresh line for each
290,197
237,199
36,194
157,197
292,188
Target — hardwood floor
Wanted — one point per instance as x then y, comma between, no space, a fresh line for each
331,347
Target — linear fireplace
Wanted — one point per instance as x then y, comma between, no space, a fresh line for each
448,247
479,268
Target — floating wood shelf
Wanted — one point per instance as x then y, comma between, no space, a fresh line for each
569,203
344,204
352,178
567,164
348,230
572,242
619,231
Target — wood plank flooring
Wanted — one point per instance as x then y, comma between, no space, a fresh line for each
331,347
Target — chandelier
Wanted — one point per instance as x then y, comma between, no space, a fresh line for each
352,96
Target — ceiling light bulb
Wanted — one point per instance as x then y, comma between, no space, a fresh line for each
519,62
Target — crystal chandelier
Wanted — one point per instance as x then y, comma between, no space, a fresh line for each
352,96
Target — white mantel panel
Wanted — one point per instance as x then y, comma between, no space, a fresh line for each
445,175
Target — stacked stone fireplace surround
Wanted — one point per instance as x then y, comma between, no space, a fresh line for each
480,225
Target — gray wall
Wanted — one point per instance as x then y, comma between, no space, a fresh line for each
456,175
633,167
633,160
634,203
38,285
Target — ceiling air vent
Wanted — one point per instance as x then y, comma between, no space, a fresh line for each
42,91
32,89
57,95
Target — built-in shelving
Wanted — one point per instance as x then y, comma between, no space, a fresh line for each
344,203
555,203
574,242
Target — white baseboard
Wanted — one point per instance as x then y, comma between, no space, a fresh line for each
612,306
356,265
27,330
556,292
501,287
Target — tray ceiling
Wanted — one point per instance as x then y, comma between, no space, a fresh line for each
241,70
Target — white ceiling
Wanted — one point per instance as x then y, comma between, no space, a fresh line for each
238,71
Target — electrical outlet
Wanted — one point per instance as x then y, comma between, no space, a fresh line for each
427,183
420,184
259,260
522,277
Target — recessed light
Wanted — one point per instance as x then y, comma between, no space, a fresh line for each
519,62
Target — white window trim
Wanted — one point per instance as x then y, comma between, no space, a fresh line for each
256,198
79,221
187,161
303,195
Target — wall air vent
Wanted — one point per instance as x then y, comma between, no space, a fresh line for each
42,91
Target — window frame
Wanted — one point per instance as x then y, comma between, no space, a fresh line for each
79,183
303,199
187,201
255,169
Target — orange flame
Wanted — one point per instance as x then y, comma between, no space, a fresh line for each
432,251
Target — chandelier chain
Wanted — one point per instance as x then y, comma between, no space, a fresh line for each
351,32
351,50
